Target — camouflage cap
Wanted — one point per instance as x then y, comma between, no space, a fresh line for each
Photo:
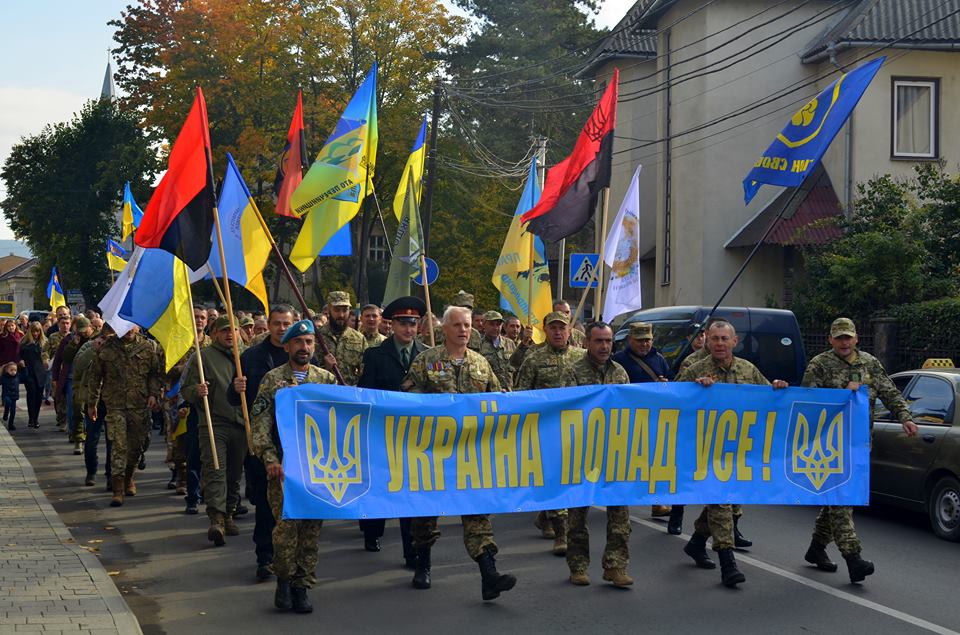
843,326
492,316
556,316
221,323
641,330
463,299
303,327
246,320
339,298
81,322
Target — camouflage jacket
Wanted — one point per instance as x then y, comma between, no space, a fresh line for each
547,367
263,416
499,359
434,371
256,339
125,374
693,358
348,348
522,350
52,345
374,340
81,364
829,370
587,373
740,371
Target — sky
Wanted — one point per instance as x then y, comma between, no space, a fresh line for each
54,53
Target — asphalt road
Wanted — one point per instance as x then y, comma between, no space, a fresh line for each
177,582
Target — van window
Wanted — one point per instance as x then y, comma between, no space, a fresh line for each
768,352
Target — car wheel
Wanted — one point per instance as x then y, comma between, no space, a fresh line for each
944,508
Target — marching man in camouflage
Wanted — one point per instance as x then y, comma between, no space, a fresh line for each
346,344
596,368
221,487
453,368
497,349
720,367
127,373
295,542
551,366
845,366
51,348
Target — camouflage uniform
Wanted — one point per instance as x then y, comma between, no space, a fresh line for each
434,371
125,374
68,356
693,358
374,340
347,348
616,554
59,405
829,370
295,542
498,356
717,520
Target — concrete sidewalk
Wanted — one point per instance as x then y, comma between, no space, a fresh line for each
47,583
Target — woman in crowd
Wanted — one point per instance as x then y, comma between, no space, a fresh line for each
34,361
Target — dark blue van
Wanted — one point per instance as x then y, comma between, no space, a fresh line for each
770,338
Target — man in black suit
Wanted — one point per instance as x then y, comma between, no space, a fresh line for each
384,367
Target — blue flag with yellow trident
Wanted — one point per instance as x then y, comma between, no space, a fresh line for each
797,149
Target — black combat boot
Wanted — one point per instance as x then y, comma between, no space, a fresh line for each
729,573
696,548
301,603
421,574
858,567
493,582
675,524
738,540
817,554
282,599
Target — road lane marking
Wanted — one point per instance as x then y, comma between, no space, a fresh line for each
823,588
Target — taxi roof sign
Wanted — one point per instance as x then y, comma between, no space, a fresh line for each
938,362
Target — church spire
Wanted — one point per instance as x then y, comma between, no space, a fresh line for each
108,90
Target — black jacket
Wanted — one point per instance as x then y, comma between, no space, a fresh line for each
256,362
382,368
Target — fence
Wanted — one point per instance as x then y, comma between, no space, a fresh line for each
894,356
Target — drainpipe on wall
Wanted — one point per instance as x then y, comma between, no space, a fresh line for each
848,143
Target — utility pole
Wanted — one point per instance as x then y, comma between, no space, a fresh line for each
426,207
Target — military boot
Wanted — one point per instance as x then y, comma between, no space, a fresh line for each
493,582
559,536
541,523
658,511
729,573
181,480
301,603
817,554
421,575
675,524
738,539
216,531
618,577
129,487
230,526
696,548
172,483
117,485
281,597
579,578
858,567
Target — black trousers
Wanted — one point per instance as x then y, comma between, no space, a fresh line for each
264,521
373,528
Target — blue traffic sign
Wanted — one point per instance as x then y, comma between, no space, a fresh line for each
582,268
433,271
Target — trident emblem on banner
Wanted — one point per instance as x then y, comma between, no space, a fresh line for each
809,456
336,464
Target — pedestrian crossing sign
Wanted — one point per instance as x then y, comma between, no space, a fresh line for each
582,268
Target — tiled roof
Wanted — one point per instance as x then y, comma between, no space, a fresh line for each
627,38
904,23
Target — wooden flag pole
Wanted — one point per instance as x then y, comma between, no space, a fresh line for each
598,297
530,284
293,284
426,297
206,403
233,326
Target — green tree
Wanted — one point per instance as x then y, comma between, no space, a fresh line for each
64,189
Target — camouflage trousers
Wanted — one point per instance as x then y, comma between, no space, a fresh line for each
78,430
221,488
59,406
616,554
835,524
296,543
127,430
716,521
477,533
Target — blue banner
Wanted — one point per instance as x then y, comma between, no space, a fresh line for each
359,453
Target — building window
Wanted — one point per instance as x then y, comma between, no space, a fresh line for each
916,118
378,248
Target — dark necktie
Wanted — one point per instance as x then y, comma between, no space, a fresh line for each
404,358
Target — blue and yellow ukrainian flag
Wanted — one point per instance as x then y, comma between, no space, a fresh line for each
132,214
797,149
158,299
55,291
413,170
246,246
338,181
116,255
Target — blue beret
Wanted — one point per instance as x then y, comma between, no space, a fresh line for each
303,327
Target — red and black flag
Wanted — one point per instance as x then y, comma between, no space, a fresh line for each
179,217
292,162
571,188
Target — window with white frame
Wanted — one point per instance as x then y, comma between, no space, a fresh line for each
378,248
915,118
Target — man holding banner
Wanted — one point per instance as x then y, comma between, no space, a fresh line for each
453,368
